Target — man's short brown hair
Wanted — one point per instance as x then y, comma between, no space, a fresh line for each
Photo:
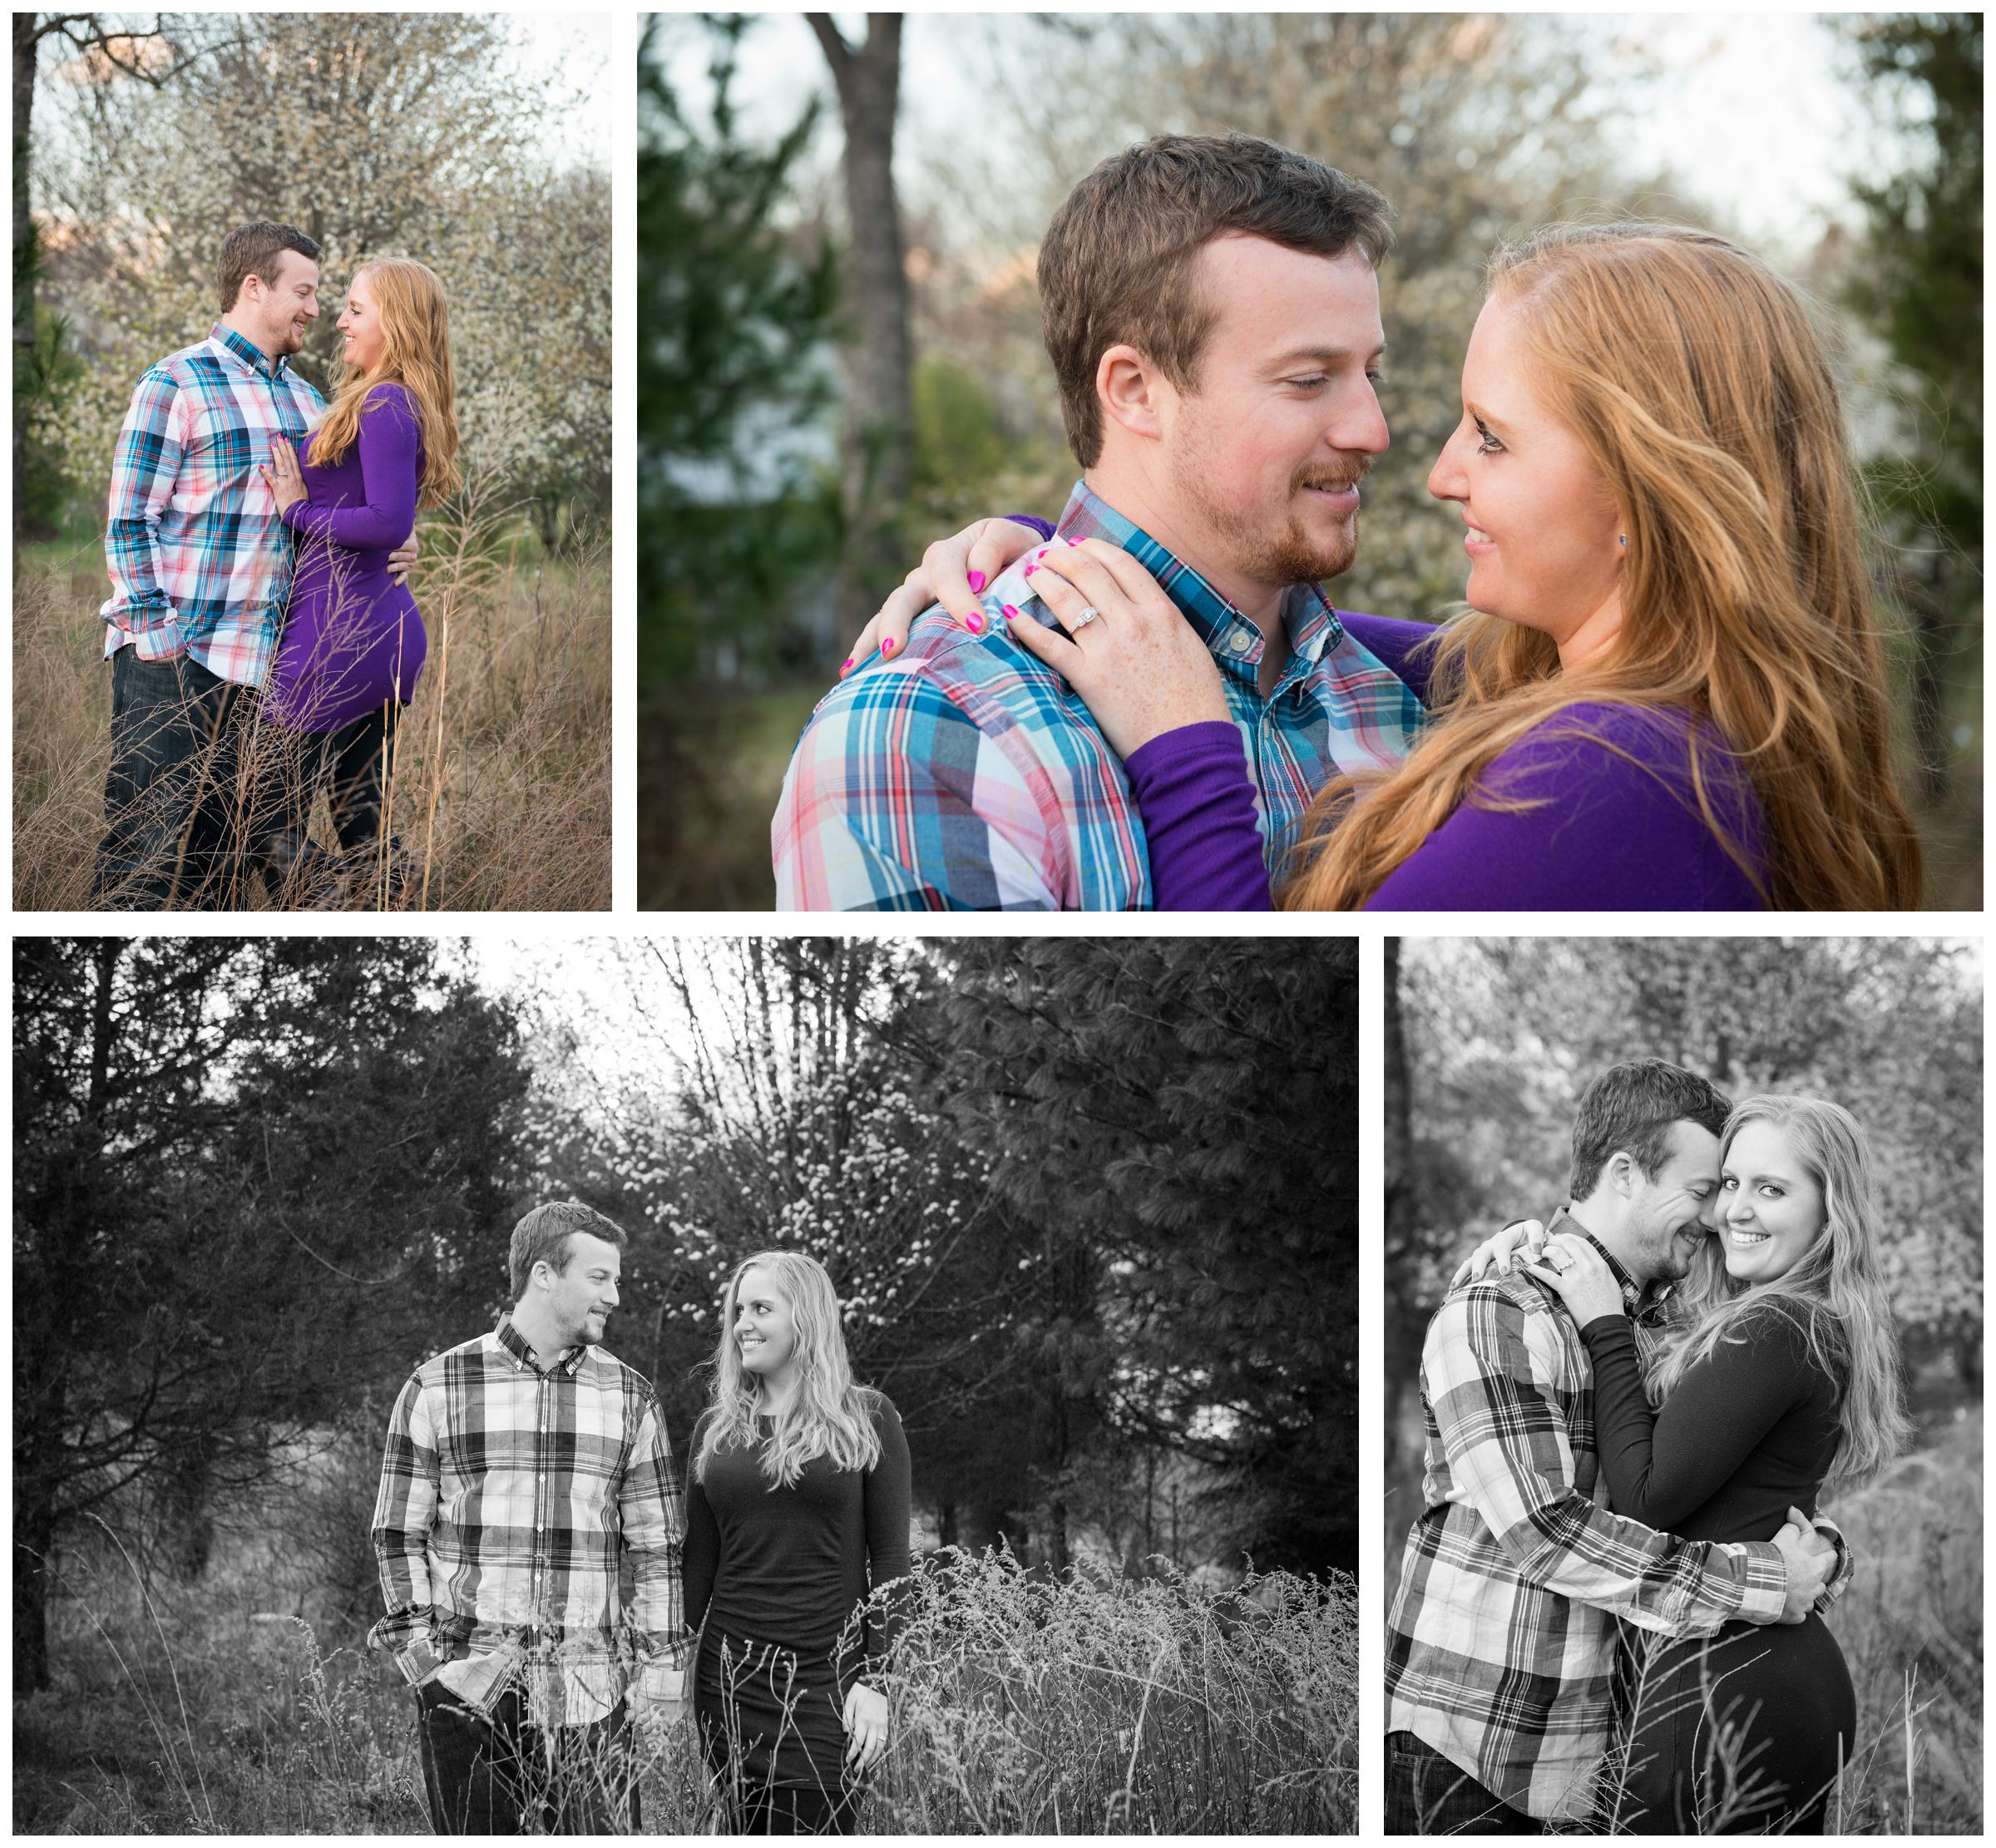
1631,1107
545,1233
253,250
1118,264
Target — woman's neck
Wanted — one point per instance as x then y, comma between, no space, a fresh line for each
773,1394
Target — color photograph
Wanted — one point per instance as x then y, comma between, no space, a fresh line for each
1436,461
1683,1386
312,463
720,1385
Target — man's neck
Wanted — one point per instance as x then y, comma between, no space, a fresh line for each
1135,495
1618,1241
250,335
544,1340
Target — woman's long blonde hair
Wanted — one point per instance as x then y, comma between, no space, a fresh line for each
828,1416
1834,1293
1692,374
416,354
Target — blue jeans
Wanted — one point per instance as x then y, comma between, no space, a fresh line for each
174,816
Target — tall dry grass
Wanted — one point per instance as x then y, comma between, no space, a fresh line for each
1021,1704
499,784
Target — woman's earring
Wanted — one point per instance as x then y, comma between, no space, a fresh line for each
1621,539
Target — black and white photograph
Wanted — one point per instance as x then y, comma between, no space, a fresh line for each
1683,1392
688,1385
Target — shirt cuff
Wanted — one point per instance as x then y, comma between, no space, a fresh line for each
418,1659
1764,1595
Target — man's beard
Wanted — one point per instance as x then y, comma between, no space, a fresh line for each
1291,556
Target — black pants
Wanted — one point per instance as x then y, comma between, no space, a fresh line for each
1427,1794
793,1812
496,1776
173,804
348,766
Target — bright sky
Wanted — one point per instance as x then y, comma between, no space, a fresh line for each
1754,116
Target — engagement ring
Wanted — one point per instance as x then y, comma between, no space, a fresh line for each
1088,615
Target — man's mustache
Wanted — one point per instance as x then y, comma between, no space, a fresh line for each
1323,476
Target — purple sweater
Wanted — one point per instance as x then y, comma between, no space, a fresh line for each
352,639
1617,828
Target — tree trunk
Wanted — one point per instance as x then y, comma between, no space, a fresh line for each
879,361
26,37
1402,1338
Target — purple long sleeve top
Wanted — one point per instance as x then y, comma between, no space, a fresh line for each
1616,825
353,638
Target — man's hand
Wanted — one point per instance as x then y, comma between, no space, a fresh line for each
1810,1558
661,1699
402,560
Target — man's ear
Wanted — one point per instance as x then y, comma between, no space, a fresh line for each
1132,390
1624,1173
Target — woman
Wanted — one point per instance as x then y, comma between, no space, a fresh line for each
353,643
1781,1383
1669,690
797,1511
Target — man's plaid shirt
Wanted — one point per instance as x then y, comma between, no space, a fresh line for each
964,774
200,563
1500,1646
509,1499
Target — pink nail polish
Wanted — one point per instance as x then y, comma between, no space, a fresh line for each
1010,614
1073,542
975,623
976,580
1029,571
887,646
846,665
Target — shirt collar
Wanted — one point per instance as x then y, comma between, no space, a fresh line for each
1310,622
522,1349
1648,1307
249,353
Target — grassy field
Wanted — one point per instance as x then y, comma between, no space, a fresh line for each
499,790
1910,1627
710,767
241,1704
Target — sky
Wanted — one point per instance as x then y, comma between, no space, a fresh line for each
1778,154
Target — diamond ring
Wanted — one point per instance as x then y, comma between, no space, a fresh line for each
1089,614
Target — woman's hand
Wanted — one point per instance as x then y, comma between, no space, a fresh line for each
281,475
951,572
1139,665
866,1722
1493,1257
1579,1277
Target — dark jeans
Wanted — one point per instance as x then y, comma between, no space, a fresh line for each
494,1774
1426,1794
173,831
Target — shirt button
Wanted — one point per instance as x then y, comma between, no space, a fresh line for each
1240,644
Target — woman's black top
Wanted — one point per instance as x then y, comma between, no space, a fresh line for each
1746,1432
790,1565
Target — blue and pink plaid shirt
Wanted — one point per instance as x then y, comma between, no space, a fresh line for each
964,774
200,562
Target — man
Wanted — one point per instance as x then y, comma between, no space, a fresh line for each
524,1471
1211,305
200,567
1501,1641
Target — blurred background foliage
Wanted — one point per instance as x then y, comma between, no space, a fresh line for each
766,542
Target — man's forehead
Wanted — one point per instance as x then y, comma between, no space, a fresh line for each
1276,299
294,268
1694,1152
597,1253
